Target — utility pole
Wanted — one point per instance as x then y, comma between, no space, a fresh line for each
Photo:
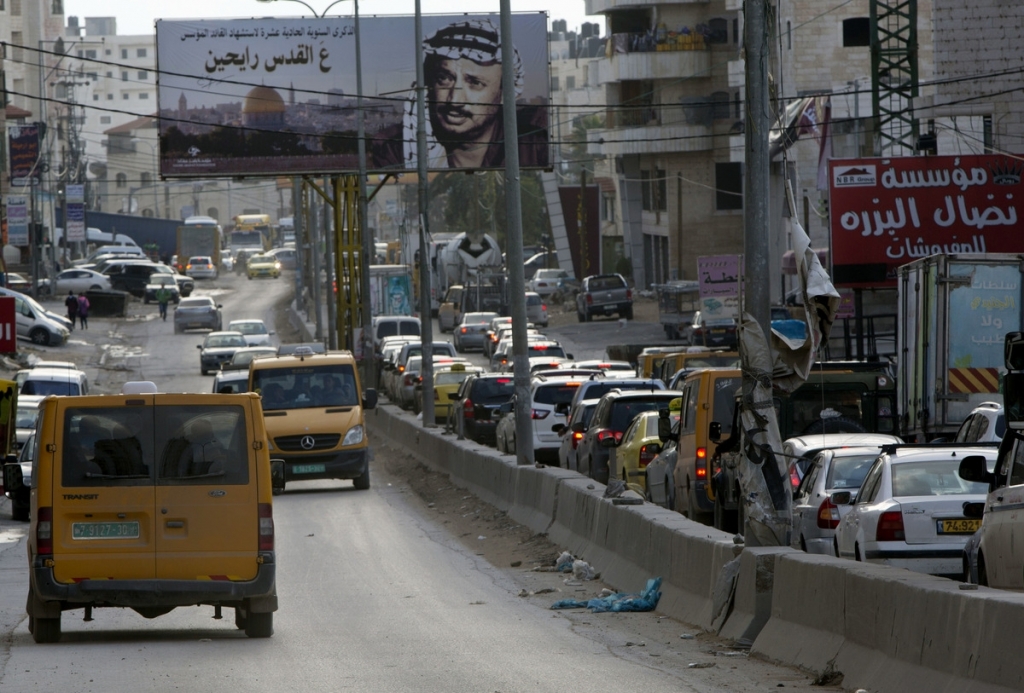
426,327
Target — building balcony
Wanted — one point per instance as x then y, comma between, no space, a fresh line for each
669,64
650,138
602,6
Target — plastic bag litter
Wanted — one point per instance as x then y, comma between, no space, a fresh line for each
619,601
581,570
564,564
615,488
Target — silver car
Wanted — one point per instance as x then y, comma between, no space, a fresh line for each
815,516
581,411
470,333
197,312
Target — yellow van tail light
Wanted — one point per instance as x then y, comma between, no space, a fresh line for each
44,531
266,515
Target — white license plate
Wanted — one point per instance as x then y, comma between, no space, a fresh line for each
309,468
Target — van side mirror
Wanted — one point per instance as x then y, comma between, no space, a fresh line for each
370,399
842,497
715,432
13,479
664,428
975,468
277,475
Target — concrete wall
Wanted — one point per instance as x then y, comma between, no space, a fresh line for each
884,629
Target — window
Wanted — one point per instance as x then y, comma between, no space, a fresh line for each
124,53
124,76
608,207
93,76
653,188
720,105
57,7
15,9
143,74
554,82
140,52
2,5
95,97
110,75
856,32
18,39
107,52
104,120
124,97
90,54
144,178
110,97
728,186
719,31
570,82
122,180
144,95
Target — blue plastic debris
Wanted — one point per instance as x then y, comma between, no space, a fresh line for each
618,602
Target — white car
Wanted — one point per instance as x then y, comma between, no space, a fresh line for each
25,418
800,450
201,267
985,424
614,370
79,280
549,405
910,510
545,282
536,309
254,331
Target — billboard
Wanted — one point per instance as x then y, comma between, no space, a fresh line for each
887,212
270,96
23,144
720,278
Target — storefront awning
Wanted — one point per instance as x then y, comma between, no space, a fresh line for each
789,260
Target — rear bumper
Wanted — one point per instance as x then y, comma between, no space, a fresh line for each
154,593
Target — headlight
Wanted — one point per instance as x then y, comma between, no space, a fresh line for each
354,435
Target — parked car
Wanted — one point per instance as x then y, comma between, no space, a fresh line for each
614,413
201,267
475,402
197,312
253,329
470,333
16,282
392,326
78,280
815,515
217,349
985,424
604,294
131,275
547,281
580,412
55,381
909,512
35,323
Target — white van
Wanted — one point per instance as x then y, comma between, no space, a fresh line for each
55,381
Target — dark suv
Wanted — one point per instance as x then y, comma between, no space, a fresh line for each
473,406
604,294
612,417
130,276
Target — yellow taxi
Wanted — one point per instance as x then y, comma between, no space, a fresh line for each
640,445
263,266
447,379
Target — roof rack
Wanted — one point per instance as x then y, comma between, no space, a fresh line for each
888,448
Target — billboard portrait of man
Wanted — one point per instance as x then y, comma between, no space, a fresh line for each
462,65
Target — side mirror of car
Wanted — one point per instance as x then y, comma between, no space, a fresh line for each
277,475
199,346
715,432
974,510
562,408
842,497
664,428
453,396
975,468
559,429
13,479
370,399
578,427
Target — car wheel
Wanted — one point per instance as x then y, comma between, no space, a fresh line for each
835,547
203,370
587,317
259,625
95,287
40,336
628,313
362,482
46,630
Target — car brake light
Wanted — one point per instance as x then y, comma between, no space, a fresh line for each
608,433
266,514
702,453
539,413
590,299
890,526
629,294
576,438
463,330
44,531
408,379
702,472
794,476
401,369
828,515
648,453
543,306
503,381
467,409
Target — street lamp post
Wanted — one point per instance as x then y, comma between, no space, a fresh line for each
367,245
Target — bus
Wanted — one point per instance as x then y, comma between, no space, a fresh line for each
251,232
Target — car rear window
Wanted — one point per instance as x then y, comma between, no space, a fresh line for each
932,478
848,472
50,387
489,389
561,393
606,283
533,300
407,327
125,446
600,388
624,411
545,350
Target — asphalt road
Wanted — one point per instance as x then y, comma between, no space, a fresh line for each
375,593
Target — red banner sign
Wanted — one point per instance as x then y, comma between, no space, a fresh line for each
887,212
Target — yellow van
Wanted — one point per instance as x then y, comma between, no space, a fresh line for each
708,395
150,501
313,413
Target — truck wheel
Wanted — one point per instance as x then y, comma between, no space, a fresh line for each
362,483
259,625
46,630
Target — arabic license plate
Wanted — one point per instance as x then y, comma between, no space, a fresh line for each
720,330
309,468
958,526
104,530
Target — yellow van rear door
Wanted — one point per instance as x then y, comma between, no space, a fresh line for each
206,493
103,493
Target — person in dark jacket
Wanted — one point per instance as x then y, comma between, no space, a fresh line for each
71,303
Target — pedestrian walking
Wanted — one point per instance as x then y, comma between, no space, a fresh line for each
83,310
71,303
163,297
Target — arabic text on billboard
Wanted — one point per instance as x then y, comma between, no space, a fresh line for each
888,212
275,96
24,148
17,221
719,278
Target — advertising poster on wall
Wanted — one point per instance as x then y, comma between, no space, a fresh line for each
17,221
719,277
278,96
887,212
23,144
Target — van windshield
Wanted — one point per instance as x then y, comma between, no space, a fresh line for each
302,387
